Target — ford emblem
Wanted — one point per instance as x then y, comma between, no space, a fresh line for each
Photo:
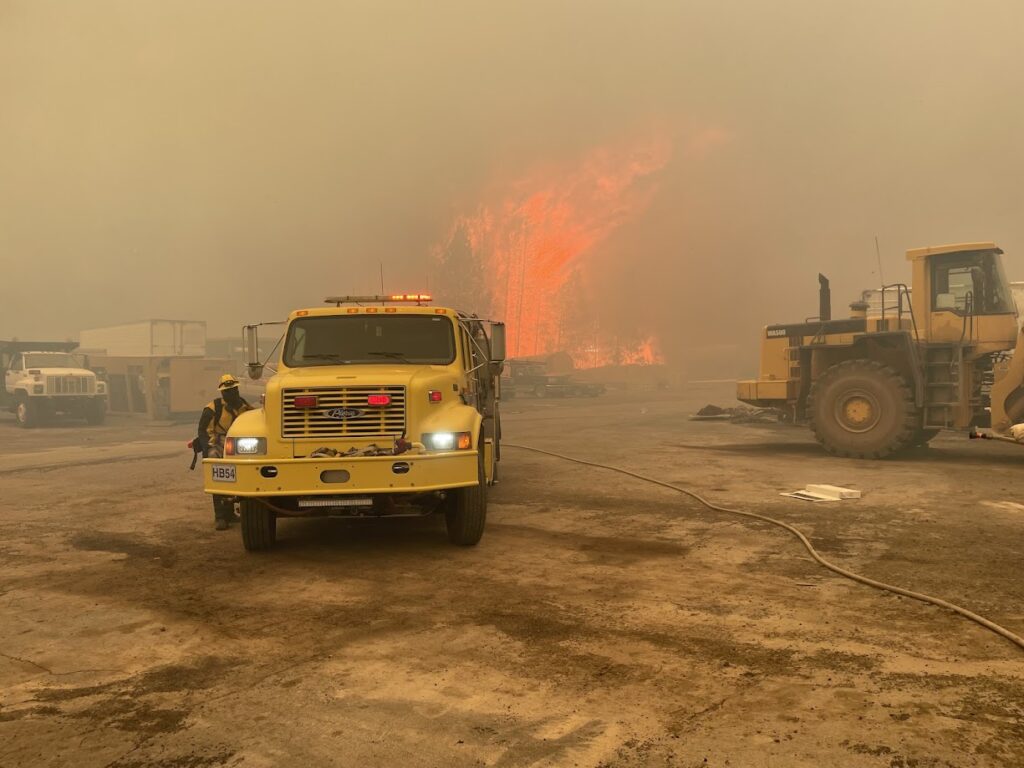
343,414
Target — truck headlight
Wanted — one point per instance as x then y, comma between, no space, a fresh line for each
101,388
448,441
38,389
245,446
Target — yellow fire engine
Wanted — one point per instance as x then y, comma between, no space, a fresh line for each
379,406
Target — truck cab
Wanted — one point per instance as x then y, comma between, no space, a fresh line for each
379,406
44,379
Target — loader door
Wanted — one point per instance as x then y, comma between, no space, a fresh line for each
970,299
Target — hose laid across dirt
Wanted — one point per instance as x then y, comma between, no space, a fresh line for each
989,625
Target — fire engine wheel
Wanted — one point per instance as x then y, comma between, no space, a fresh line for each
862,409
540,391
259,526
26,412
466,510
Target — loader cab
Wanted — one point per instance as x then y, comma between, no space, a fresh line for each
962,293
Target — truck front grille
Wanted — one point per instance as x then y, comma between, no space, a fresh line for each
343,412
70,385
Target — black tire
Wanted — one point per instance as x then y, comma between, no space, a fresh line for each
466,508
923,436
259,526
862,409
540,390
96,411
27,412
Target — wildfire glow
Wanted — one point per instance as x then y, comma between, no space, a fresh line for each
541,231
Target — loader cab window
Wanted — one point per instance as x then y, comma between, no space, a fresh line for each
970,283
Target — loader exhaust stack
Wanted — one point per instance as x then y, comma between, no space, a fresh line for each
824,298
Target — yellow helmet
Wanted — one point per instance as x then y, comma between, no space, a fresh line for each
227,381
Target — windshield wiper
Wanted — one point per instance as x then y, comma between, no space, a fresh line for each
393,356
334,358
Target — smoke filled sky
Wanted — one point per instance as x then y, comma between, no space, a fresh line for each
230,161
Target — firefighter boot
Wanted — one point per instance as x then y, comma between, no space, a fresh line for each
223,512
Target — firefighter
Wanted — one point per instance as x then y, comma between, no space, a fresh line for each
217,418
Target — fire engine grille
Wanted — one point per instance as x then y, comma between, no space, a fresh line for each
70,385
343,412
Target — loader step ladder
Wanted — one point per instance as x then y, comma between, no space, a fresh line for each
943,384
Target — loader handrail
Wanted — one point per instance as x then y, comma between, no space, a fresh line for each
902,289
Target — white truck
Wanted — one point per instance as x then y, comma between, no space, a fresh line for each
42,379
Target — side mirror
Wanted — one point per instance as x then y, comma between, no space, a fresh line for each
497,342
251,348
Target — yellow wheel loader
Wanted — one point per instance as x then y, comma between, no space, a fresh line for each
935,355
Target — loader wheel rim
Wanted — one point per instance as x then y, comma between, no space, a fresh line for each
22,412
857,411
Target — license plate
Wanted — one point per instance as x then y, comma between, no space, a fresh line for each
223,473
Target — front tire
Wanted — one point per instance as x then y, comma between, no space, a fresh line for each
862,409
466,511
26,412
259,526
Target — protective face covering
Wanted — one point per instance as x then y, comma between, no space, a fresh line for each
232,397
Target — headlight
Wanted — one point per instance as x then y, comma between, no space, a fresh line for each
245,446
38,389
448,441
101,387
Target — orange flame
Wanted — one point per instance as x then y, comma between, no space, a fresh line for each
543,230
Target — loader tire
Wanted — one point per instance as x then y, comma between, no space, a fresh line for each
259,526
862,409
923,436
466,508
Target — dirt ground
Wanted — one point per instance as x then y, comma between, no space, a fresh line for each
600,622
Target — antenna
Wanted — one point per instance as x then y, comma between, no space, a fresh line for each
878,255
382,277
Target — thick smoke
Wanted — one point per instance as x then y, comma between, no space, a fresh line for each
230,161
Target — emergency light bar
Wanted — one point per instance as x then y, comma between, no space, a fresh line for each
418,298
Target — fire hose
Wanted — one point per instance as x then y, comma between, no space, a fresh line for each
860,579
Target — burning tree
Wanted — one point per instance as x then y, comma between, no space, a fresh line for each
465,277
525,258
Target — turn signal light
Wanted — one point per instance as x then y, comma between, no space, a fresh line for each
434,396
378,400
305,401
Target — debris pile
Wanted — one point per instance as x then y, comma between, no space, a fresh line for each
740,414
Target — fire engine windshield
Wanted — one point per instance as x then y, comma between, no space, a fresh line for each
366,339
